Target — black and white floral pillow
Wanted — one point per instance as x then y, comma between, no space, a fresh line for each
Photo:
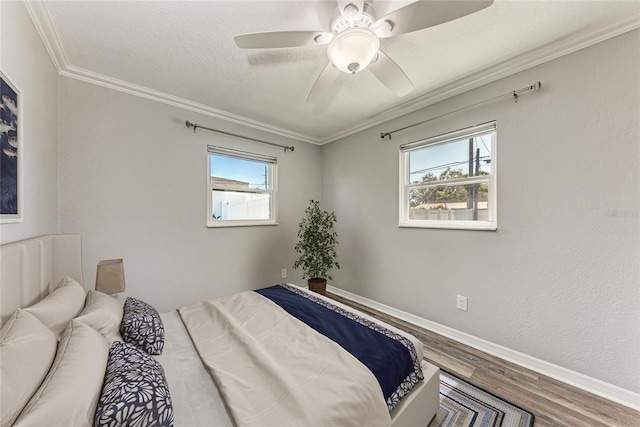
135,391
141,326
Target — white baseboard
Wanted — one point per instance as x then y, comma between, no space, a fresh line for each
576,379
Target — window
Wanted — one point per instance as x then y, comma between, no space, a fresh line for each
241,188
449,181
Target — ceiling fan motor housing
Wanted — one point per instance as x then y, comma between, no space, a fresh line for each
363,19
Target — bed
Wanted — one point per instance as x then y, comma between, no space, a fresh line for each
71,366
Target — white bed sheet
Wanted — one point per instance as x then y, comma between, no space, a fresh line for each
195,397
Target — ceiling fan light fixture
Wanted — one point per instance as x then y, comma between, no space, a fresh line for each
353,50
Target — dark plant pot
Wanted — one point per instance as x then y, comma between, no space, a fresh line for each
318,285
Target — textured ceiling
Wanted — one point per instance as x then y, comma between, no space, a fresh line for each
184,53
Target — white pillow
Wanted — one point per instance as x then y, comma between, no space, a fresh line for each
69,394
61,305
27,348
104,314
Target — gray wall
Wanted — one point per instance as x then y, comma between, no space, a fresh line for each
560,279
27,64
133,182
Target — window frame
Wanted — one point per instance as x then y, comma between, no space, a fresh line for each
271,191
490,180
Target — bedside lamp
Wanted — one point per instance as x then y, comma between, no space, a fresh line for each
110,276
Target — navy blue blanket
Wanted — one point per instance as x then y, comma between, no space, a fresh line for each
389,356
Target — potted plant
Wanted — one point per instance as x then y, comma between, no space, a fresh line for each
317,247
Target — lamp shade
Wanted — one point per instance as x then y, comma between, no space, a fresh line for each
110,276
353,49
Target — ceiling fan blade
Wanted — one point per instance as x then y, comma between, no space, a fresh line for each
324,81
391,75
359,4
425,14
282,39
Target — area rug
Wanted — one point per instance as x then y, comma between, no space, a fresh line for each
464,405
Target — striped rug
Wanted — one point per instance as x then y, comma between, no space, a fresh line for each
464,405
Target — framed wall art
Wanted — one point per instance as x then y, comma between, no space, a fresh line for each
10,151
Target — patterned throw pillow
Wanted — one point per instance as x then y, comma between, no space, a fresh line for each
141,326
135,391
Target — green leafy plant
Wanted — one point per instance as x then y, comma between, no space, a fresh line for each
317,244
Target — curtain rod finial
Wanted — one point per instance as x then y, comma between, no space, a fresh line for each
383,135
193,125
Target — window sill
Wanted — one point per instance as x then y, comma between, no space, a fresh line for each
458,225
230,223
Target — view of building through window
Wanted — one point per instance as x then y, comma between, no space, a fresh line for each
241,187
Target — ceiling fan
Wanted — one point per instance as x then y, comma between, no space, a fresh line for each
354,39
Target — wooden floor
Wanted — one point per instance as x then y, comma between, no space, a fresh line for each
552,402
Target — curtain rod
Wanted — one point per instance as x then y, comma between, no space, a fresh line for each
196,126
513,94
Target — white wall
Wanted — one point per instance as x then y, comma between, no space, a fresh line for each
133,182
26,62
560,279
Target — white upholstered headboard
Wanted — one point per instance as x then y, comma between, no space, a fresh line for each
30,269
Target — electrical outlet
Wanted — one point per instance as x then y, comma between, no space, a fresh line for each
283,273
461,302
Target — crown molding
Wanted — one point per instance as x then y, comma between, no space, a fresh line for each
154,95
499,71
42,20
592,385
578,41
